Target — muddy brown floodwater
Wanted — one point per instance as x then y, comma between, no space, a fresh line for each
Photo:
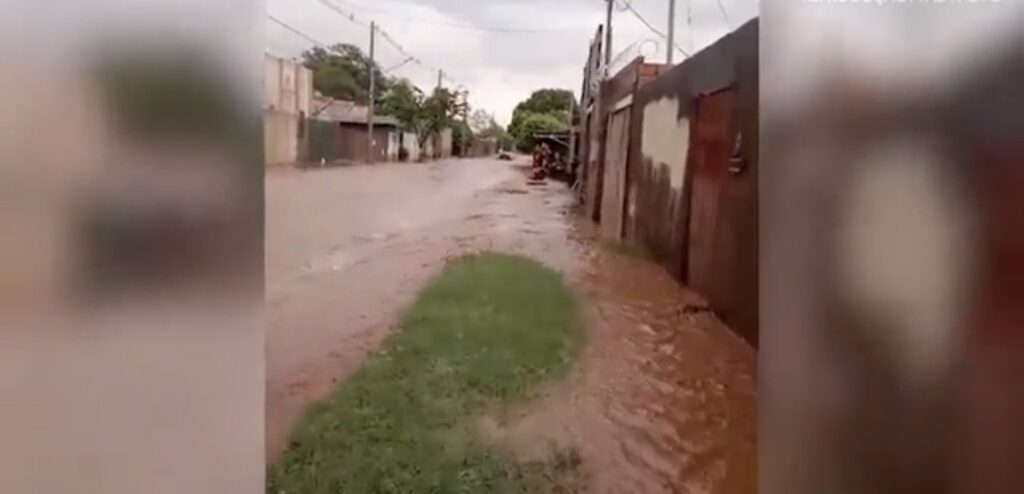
663,396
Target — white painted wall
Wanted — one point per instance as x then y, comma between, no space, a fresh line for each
287,99
666,138
394,144
412,144
428,149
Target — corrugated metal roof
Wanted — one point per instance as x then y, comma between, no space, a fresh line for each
347,112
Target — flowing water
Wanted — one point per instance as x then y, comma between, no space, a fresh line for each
663,396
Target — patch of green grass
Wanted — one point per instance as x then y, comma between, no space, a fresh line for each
489,329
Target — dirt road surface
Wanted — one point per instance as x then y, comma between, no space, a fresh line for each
663,397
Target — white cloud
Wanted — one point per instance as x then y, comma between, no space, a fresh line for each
499,68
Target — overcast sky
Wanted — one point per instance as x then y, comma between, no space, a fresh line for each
481,44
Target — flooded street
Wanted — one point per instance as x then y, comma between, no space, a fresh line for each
663,396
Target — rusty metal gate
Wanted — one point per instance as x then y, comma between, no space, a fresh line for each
710,161
613,198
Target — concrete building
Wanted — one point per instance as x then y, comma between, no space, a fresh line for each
287,97
338,132
427,152
670,162
483,146
410,142
692,195
613,132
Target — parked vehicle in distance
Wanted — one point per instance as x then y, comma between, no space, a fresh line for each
505,155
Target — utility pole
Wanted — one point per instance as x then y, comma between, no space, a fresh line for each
440,75
467,140
671,31
373,89
608,40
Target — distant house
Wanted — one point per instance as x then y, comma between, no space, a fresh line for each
338,132
287,97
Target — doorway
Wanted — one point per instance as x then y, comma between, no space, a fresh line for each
710,160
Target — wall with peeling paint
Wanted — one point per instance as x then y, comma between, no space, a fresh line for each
659,185
666,138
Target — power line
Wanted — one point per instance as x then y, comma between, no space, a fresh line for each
409,58
396,66
467,26
412,58
725,15
629,7
300,33
689,22
386,36
326,46
348,15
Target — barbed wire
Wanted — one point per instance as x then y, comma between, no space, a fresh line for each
629,6
634,47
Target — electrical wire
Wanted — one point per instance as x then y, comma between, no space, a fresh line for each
386,37
300,33
348,15
629,6
397,66
325,46
463,25
725,15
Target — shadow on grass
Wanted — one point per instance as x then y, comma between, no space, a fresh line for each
489,329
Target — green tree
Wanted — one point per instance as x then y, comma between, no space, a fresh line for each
490,129
462,136
480,120
531,123
405,102
439,112
547,101
343,72
427,116
540,112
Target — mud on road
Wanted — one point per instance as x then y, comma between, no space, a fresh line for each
662,398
